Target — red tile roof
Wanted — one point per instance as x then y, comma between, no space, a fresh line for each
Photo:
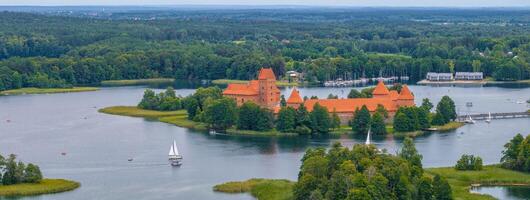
350,105
248,89
380,89
295,97
394,94
405,93
266,73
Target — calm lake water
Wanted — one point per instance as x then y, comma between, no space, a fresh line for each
505,192
98,145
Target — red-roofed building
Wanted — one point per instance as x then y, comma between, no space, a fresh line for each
345,108
262,91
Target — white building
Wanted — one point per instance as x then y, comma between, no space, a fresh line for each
432,76
469,76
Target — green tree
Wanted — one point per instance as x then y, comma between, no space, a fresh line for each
320,121
10,177
361,120
286,121
248,116
335,120
469,162
302,116
425,189
265,120
32,174
382,110
402,123
283,103
149,100
409,153
355,94
441,189
446,107
438,119
511,151
378,124
426,105
221,114
192,107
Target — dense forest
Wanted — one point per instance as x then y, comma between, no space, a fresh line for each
61,49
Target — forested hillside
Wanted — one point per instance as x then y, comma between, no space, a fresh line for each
56,50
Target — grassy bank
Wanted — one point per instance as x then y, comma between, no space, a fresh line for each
134,111
114,83
180,118
228,81
460,181
33,90
46,186
491,175
262,189
449,126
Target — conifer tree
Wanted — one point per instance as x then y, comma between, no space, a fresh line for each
361,121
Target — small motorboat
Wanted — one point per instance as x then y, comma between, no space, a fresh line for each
63,153
130,159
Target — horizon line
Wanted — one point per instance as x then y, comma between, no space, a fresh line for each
260,5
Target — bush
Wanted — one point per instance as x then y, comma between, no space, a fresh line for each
469,162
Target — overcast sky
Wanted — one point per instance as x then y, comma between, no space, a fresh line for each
418,3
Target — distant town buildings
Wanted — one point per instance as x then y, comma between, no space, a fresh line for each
467,76
265,93
432,76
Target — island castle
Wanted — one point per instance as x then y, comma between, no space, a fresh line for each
265,93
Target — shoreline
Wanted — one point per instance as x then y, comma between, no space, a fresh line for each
179,118
135,82
46,186
461,182
33,90
229,81
469,83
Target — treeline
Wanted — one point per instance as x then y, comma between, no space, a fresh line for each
55,51
13,172
364,173
516,154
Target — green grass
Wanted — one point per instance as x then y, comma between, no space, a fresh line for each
180,118
228,81
262,189
491,175
113,83
134,111
46,186
449,126
183,121
33,90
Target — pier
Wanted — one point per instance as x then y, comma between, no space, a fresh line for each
507,115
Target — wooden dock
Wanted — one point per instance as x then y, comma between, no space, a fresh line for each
507,115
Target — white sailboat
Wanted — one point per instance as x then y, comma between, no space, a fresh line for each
175,159
469,120
368,142
488,120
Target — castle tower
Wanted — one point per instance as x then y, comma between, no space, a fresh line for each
405,98
295,100
381,91
269,94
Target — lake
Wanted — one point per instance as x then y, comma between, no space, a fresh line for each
505,192
98,145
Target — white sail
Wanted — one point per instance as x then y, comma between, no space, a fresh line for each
172,151
368,138
175,149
